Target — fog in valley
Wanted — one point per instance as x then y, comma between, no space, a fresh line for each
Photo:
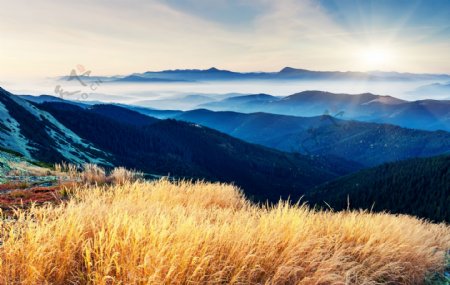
144,93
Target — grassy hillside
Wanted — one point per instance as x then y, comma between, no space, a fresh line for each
419,187
184,233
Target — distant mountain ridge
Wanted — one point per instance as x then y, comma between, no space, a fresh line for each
422,114
428,114
367,143
286,73
434,89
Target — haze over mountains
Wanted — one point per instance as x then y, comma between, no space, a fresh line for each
423,114
324,134
434,89
287,73
145,88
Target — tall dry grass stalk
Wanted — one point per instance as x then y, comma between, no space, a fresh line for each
184,233
93,174
121,175
67,169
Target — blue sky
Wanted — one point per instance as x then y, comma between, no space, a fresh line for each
49,37
405,15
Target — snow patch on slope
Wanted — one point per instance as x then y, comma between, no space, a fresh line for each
69,144
13,139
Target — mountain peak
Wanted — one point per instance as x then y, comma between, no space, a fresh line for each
288,69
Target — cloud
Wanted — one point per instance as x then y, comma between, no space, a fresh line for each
48,38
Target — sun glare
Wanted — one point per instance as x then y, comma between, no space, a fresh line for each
376,57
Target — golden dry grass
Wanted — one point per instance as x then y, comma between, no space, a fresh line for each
93,174
121,175
66,169
198,233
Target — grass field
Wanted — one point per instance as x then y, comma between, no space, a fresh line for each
198,233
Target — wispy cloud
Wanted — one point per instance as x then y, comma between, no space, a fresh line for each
48,37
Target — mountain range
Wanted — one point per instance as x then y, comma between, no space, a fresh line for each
366,143
428,115
112,135
287,73
422,114
434,90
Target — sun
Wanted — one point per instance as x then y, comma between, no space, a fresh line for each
376,57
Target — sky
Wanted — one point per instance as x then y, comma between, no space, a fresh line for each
110,37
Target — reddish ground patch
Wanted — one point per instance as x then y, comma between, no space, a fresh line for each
12,185
18,195
23,197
